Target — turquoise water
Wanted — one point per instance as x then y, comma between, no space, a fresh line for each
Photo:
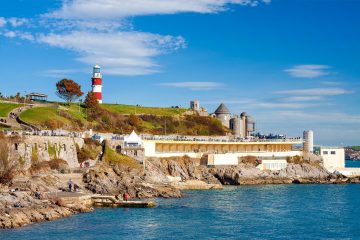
350,163
245,212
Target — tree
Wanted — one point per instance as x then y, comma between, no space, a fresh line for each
68,90
91,101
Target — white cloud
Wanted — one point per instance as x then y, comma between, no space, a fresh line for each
17,22
257,104
122,53
269,105
194,85
2,21
100,31
308,71
18,34
9,34
58,73
321,117
87,9
316,91
302,99
330,83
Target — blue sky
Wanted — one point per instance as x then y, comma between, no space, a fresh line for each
293,65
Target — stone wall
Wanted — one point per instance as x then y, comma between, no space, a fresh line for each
45,148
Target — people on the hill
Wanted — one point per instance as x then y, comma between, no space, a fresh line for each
70,185
76,187
126,196
37,195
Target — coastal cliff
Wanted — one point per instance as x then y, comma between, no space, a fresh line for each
39,171
181,170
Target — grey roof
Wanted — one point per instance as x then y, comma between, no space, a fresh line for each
36,94
222,109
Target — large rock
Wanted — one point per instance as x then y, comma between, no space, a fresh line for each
117,179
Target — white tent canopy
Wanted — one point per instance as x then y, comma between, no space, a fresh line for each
133,138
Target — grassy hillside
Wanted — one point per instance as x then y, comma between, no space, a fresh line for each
6,108
166,120
130,109
52,118
356,148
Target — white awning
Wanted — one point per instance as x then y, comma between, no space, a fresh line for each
133,138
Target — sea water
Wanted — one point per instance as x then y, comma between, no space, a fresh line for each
243,212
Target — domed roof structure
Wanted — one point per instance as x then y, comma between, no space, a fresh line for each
222,109
243,114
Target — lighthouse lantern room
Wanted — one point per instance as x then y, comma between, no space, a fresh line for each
97,83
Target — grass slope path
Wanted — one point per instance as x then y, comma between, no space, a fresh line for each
38,116
6,108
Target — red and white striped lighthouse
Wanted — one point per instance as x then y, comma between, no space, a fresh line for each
97,83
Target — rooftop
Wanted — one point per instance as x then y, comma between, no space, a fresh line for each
222,109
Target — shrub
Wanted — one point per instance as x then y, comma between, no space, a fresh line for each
134,120
91,102
39,167
90,150
8,163
249,160
295,160
59,164
34,155
112,157
51,150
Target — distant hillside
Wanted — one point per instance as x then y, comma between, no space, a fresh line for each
355,148
352,153
131,109
120,119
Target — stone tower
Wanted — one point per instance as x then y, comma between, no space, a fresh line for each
223,114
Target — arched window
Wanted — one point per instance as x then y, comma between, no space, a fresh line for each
118,148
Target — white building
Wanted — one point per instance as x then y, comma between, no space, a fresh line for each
333,158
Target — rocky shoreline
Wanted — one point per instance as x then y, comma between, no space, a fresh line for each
161,178
20,208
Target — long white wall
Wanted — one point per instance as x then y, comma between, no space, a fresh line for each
232,158
150,151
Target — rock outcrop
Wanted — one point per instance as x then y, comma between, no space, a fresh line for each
116,179
20,208
181,172
293,173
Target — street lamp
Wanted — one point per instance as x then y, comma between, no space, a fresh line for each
24,98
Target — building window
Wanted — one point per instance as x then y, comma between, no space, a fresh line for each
325,152
333,152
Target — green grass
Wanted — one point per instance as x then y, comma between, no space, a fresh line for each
131,109
6,108
112,156
356,148
38,116
76,112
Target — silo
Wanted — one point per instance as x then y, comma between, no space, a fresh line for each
235,126
250,125
308,141
243,117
